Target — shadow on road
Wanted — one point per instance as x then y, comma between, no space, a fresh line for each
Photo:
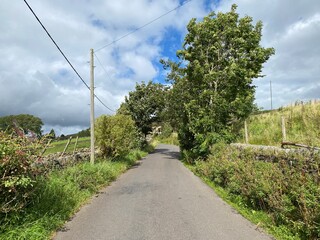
170,153
136,164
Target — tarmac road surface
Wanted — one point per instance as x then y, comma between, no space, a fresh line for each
159,199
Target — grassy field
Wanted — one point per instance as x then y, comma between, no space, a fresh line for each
58,146
302,124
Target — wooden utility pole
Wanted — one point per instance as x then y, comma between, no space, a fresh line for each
92,105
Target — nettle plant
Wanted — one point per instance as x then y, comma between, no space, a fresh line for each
18,171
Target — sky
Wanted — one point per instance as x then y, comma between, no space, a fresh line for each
35,79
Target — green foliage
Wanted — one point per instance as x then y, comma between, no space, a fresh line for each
302,126
284,185
52,134
213,92
59,196
17,171
84,133
258,217
116,135
167,135
145,105
166,130
123,109
25,121
171,139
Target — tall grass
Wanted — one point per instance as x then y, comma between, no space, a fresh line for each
302,124
59,195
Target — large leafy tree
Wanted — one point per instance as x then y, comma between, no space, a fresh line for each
212,84
25,121
145,105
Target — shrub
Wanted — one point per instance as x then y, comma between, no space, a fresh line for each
57,197
116,135
17,171
285,185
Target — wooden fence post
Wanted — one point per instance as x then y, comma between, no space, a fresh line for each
65,148
283,126
75,145
45,148
246,132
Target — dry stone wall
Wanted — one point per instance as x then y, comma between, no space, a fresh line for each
55,160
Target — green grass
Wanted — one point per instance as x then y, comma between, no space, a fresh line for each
60,195
302,126
172,139
259,218
58,146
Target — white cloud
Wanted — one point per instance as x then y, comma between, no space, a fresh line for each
35,78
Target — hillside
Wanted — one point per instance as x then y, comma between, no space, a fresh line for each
302,123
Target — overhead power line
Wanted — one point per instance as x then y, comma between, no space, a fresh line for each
73,68
44,28
109,79
104,104
148,23
104,69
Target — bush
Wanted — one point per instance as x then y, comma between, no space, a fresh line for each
284,185
17,171
57,197
116,135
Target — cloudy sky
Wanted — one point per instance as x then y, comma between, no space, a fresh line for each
35,79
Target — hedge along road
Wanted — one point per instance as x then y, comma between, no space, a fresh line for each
159,199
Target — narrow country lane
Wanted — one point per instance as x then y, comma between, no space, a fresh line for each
159,199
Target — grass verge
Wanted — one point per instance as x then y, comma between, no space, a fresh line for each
60,195
258,217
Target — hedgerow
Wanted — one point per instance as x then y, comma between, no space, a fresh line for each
285,185
18,171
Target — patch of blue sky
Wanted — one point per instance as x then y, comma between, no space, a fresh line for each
65,77
171,42
63,72
126,73
97,22
212,4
